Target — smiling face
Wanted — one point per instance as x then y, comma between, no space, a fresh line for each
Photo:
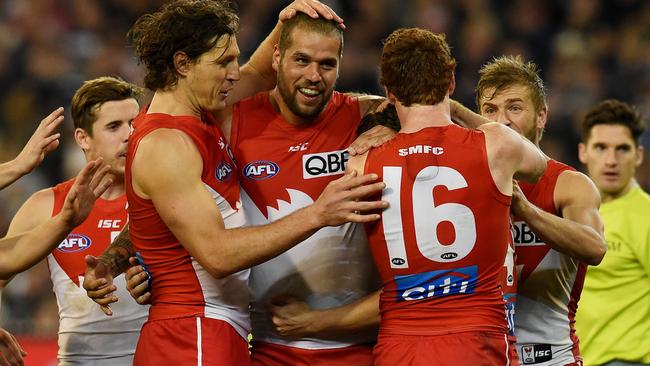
212,76
514,107
611,157
110,133
307,73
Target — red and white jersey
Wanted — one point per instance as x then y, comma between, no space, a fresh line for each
440,245
549,285
86,335
181,287
282,169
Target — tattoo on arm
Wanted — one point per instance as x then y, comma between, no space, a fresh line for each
116,256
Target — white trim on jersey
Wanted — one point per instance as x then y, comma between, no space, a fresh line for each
199,351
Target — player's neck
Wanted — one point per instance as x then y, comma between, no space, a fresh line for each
116,189
419,116
173,102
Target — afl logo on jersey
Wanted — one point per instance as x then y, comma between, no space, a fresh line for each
223,171
260,170
75,243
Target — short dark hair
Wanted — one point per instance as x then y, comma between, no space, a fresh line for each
387,117
189,26
318,25
417,66
93,93
613,112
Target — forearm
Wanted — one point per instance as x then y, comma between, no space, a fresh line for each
245,247
10,172
360,315
24,250
116,256
574,239
465,116
261,60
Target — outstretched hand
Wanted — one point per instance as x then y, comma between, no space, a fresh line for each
11,353
90,184
341,201
43,141
98,283
312,8
374,137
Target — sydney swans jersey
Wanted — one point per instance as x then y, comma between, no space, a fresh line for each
549,285
284,168
181,286
86,335
441,244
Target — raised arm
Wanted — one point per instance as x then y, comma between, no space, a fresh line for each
33,234
579,231
167,169
465,117
42,142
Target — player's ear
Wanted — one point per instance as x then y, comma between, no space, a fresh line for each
182,63
82,138
276,58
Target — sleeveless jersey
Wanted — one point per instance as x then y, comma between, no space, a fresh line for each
86,335
284,168
441,244
549,285
181,287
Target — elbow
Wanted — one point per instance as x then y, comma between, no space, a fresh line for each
219,270
598,253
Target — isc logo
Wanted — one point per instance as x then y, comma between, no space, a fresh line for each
522,234
436,283
261,169
223,171
109,224
535,353
324,164
75,243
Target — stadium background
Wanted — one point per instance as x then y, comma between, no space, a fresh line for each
587,50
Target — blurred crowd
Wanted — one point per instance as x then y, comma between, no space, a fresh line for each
588,50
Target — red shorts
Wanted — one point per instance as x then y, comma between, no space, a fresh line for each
268,354
458,349
190,341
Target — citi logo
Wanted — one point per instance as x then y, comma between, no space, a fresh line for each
75,243
260,170
223,171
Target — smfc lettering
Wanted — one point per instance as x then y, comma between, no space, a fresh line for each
421,149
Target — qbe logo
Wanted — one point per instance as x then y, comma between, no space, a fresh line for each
420,286
223,171
75,243
523,235
260,170
324,164
536,353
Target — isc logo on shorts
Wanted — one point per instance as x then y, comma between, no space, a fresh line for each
75,243
446,282
260,169
523,235
324,164
535,353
